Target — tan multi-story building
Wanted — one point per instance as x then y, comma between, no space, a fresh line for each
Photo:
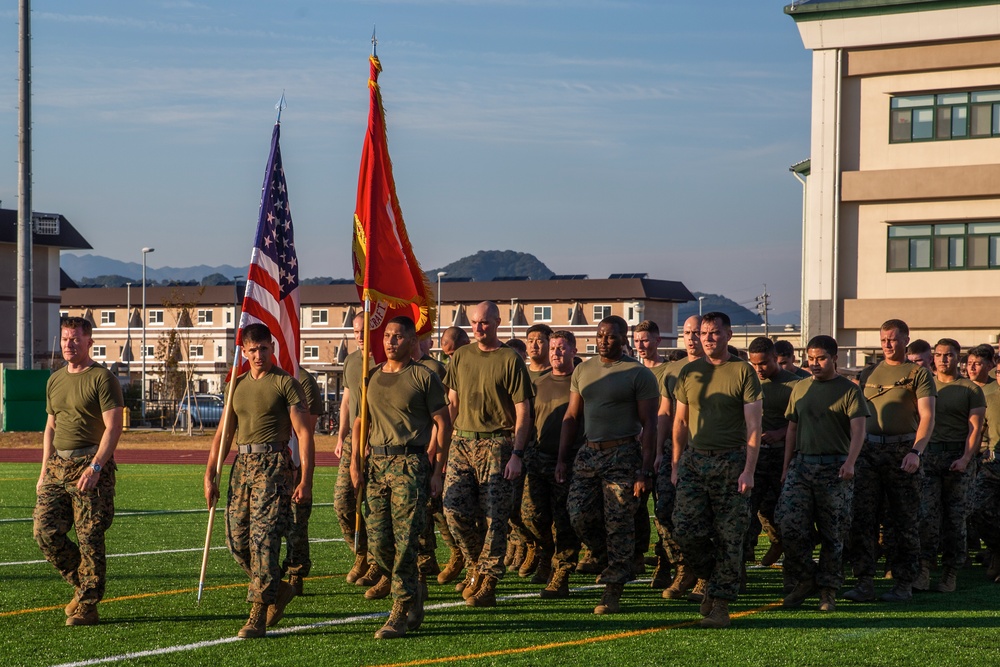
195,325
902,197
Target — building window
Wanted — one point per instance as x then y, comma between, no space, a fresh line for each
320,316
944,116
107,317
229,317
204,316
543,313
310,352
63,314
100,351
600,312
196,351
218,352
155,317
150,352
591,349
944,246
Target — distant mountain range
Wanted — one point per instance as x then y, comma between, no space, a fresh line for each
97,271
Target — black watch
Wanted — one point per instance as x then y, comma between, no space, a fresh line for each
519,453
916,451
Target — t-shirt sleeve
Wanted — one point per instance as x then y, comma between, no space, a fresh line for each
790,413
520,387
680,393
292,391
752,391
857,405
977,398
646,385
310,389
450,378
924,384
109,391
436,394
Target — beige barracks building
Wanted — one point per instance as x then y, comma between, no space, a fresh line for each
902,197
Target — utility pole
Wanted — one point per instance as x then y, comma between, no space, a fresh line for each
25,343
763,305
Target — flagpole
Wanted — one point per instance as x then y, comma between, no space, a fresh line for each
358,448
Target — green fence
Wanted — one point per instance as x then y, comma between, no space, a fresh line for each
23,399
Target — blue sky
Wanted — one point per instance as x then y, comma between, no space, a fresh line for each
602,136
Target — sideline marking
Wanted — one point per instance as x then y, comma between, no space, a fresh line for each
312,540
366,617
146,513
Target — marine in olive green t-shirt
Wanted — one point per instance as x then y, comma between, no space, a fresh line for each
955,400
551,401
538,375
672,372
261,406
777,390
611,393
660,373
401,406
892,393
992,428
715,396
433,365
489,385
310,392
78,401
822,412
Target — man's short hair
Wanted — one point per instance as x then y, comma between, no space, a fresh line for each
783,348
456,335
761,345
677,355
406,323
826,343
950,342
255,333
518,345
360,314
648,325
898,325
80,323
919,346
539,328
618,323
984,352
565,335
717,317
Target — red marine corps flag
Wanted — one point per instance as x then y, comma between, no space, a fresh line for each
385,270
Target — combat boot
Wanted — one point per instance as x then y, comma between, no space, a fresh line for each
72,605
638,565
380,589
591,565
470,578
530,563
544,570
610,600
923,580
949,578
827,599
705,608
719,616
681,584
415,614
772,554
486,593
256,624
802,590
509,556
297,583
395,625
558,586
661,575
276,611
473,582
519,553
863,591
358,569
699,591
452,569
901,592
84,614
370,577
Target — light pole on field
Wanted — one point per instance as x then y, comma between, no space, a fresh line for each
142,392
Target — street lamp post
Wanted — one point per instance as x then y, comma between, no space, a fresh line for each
700,300
127,350
441,274
142,352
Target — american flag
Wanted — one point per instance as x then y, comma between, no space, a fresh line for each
272,294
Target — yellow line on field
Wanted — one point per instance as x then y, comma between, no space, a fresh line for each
574,642
143,596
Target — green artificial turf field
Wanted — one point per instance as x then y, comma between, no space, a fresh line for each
149,615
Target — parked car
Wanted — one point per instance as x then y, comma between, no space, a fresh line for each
206,410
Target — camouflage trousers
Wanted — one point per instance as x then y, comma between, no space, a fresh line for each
606,477
396,494
518,532
427,544
345,502
878,471
297,561
258,512
545,513
764,497
666,495
986,504
61,507
711,517
944,506
815,504
477,500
